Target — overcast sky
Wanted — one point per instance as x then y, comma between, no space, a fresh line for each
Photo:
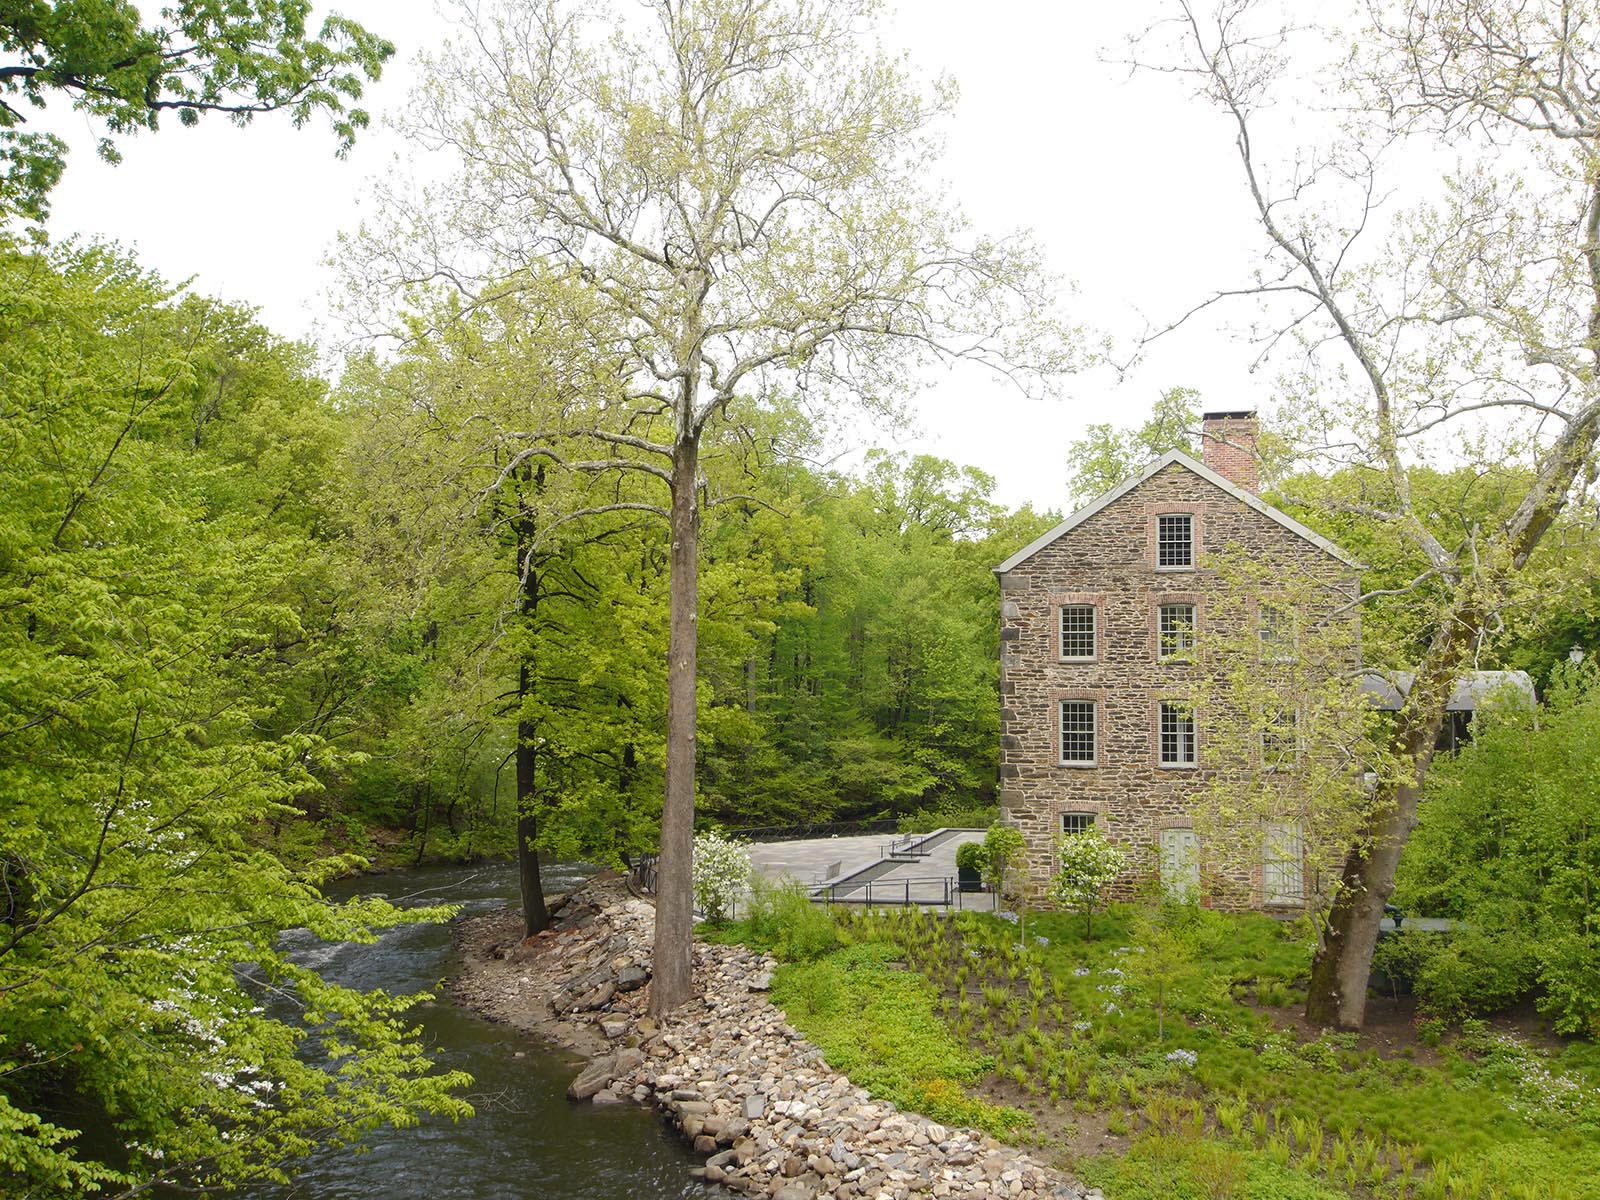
1131,188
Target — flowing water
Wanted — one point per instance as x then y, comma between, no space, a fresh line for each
526,1141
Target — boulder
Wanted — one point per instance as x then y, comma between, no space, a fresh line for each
593,1078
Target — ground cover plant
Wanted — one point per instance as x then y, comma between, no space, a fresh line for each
1159,1058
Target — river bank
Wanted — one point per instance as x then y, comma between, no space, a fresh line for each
726,1070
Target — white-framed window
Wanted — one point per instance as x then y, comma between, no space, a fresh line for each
1175,733
1275,628
1078,632
1280,741
1174,541
1078,732
1283,872
1175,625
1077,822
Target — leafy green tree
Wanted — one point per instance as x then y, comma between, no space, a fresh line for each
742,192
1294,750
147,596
238,59
1106,455
1508,844
1167,970
1003,847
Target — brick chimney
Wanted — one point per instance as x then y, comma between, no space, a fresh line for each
1229,447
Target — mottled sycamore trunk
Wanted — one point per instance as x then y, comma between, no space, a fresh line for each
672,983
1342,965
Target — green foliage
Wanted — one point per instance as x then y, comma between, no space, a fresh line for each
879,1026
1106,455
785,922
950,814
1003,847
236,59
164,638
971,856
1179,1166
1521,875
1087,864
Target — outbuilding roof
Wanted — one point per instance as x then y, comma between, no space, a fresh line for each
1389,690
1179,458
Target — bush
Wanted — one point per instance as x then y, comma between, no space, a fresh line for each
970,856
1508,843
721,873
784,921
950,815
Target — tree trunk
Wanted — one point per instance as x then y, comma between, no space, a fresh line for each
672,984
1342,965
535,916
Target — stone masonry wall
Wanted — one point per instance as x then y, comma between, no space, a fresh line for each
1109,561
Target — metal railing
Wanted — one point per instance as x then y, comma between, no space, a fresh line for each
907,849
939,890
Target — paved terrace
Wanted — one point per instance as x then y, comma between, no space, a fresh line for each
859,870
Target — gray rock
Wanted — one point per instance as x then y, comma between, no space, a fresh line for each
593,1078
761,982
631,979
754,1106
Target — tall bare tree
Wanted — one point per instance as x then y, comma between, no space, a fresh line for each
1432,260
746,189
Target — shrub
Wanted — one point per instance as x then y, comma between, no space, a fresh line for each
1509,844
721,874
951,814
784,920
970,856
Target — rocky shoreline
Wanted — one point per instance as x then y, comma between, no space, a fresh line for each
727,1070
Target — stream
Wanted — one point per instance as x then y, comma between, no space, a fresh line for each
526,1141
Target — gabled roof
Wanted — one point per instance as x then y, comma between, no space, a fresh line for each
1181,459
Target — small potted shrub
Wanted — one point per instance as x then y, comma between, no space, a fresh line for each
969,866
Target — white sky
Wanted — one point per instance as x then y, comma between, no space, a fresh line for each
1131,187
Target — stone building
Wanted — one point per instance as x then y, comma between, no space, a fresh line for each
1095,618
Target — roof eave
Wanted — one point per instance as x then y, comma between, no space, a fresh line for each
1250,499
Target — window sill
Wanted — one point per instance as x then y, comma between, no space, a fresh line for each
1079,661
1077,763
1161,766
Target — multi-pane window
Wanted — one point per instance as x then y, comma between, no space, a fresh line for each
1283,873
1276,630
1175,540
1078,731
1077,822
1176,734
1280,741
1176,630
1077,631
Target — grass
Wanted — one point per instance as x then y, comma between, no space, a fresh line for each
1155,1032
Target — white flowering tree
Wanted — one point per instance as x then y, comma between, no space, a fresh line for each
1088,864
721,874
